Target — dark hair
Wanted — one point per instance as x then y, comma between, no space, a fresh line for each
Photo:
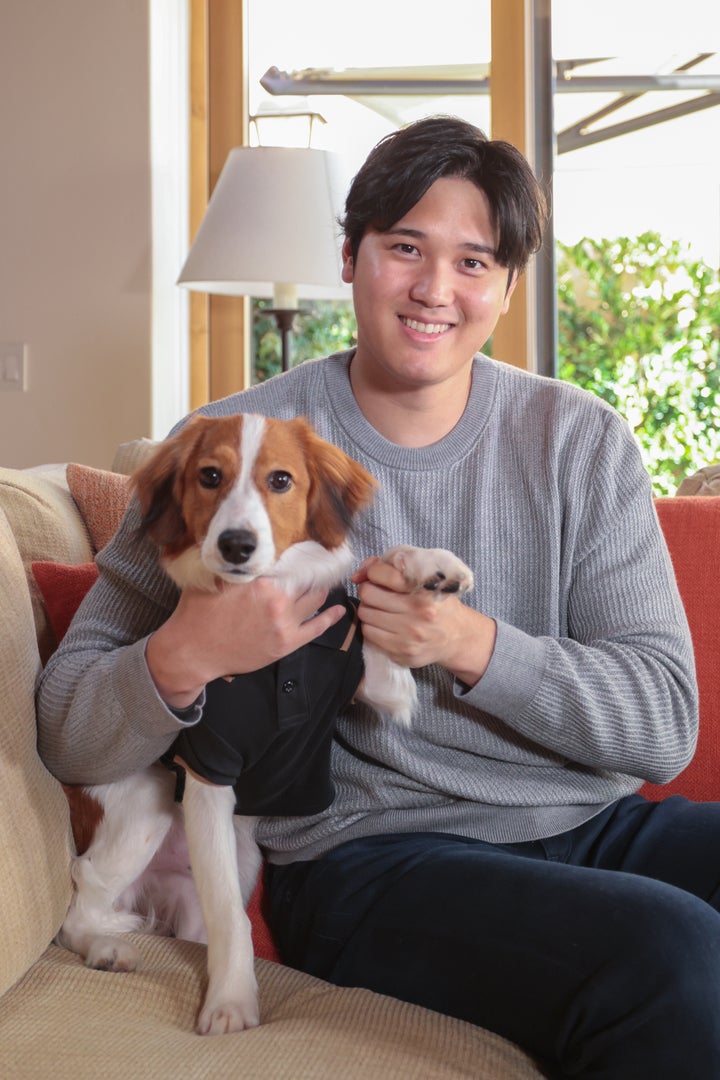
406,163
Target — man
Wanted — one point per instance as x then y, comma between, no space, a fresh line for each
493,862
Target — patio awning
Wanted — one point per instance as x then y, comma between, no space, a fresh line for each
386,90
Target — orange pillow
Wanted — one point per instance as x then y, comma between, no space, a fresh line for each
101,497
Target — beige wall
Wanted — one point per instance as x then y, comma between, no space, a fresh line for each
75,228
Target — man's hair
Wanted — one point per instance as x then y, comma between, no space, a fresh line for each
406,163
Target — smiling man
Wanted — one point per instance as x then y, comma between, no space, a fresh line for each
494,861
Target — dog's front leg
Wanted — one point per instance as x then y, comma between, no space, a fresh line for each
231,1001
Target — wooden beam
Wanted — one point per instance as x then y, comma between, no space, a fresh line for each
512,119
219,334
199,195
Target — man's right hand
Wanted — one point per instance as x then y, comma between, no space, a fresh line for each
238,628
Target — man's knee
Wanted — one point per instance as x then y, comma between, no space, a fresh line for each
657,997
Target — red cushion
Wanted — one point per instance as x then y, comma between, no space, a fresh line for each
262,937
63,588
691,525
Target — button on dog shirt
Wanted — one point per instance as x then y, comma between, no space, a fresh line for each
268,733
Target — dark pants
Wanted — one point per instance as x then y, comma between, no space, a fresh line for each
598,951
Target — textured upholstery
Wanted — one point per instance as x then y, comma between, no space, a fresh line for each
692,530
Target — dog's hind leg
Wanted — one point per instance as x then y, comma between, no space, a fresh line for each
231,1001
137,814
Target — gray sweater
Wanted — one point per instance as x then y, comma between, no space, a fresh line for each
590,690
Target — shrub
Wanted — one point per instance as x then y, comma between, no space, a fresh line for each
639,325
320,329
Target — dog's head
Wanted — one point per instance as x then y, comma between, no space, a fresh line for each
226,497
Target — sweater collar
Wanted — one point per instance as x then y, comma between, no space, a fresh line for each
453,446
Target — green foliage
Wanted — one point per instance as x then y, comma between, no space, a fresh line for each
323,328
639,325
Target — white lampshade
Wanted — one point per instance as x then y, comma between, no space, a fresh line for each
270,228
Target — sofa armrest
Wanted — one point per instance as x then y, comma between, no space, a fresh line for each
35,886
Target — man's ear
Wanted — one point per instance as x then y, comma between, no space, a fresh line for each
347,261
514,278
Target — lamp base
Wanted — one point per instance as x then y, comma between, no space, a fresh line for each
285,318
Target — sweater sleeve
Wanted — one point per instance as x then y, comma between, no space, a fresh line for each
99,714
616,689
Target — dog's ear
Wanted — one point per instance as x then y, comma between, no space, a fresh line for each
339,488
157,484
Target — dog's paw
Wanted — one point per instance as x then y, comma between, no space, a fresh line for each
227,1017
431,569
112,954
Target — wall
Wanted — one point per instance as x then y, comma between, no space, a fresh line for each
75,227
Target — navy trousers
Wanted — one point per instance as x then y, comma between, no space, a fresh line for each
598,951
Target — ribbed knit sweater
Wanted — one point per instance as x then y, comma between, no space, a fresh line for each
540,489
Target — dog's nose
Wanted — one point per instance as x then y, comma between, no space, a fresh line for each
237,545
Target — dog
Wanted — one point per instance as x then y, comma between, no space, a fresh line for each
226,500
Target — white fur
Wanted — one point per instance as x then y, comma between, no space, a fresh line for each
243,508
136,873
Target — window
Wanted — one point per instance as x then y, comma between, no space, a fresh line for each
633,159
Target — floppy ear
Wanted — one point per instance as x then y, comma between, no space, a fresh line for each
339,489
158,487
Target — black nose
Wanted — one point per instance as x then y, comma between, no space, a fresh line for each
237,545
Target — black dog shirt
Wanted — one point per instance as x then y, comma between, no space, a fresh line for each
268,733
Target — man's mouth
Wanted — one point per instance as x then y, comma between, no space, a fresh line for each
425,328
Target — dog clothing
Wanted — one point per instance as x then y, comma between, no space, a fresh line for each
268,733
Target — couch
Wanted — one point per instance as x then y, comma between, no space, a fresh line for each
58,1017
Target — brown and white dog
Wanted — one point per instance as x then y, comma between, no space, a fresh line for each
226,500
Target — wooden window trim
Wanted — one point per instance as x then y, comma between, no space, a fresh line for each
219,325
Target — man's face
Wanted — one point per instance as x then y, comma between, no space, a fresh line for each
428,292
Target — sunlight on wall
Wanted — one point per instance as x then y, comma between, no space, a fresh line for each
169,30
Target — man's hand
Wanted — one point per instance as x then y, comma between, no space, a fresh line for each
237,629
418,629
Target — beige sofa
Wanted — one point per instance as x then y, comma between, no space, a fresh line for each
60,1019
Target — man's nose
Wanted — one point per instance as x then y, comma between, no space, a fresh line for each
432,285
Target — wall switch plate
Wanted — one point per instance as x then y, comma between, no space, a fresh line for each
13,366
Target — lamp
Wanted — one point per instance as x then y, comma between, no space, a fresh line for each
270,230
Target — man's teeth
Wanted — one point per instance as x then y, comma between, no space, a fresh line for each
426,328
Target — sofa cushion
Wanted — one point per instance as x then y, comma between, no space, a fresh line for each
62,588
68,1021
35,851
46,524
130,456
692,530
704,482
102,499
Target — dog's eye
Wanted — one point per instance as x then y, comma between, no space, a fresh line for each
209,477
279,481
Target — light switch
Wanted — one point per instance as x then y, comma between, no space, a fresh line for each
13,366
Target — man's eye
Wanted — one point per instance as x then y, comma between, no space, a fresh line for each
209,477
279,481
474,264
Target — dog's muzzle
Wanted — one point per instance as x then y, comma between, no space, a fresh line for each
237,545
